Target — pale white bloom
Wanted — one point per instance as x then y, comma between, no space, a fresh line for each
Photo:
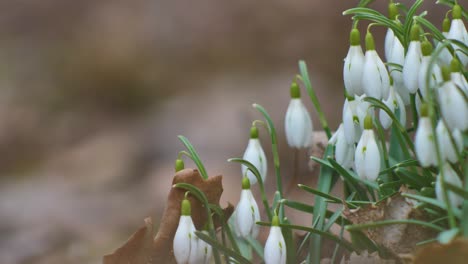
393,102
388,44
344,152
202,253
458,32
424,143
275,247
254,154
451,177
453,105
375,79
352,70
411,66
447,150
354,112
459,79
185,241
397,56
298,125
434,79
247,213
367,155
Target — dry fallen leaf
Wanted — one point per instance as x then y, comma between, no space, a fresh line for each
141,248
455,252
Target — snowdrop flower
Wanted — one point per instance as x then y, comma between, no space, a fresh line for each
390,36
412,61
275,247
398,57
458,32
445,56
447,150
203,252
353,65
453,104
457,77
393,102
254,154
247,213
375,79
297,123
435,74
367,155
451,177
424,143
354,111
185,242
344,152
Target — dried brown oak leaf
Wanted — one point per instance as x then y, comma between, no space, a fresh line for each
141,248
399,238
455,252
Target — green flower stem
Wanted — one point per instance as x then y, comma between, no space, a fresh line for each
313,97
194,156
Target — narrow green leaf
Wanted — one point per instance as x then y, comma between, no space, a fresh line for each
393,222
195,157
219,247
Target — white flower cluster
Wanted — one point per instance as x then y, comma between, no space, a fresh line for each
437,82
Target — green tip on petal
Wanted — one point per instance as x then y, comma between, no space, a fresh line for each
446,25
275,221
424,109
368,122
415,32
355,37
391,80
426,48
370,44
455,65
446,73
185,208
295,91
179,165
253,132
245,183
456,12
392,11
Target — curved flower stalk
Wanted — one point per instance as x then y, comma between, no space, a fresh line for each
453,105
185,241
458,32
275,247
457,77
412,61
247,213
367,155
354,111
297,123
254,154
393,102
375,79
447,150
344,152
451,177
353,65
435,74
424,143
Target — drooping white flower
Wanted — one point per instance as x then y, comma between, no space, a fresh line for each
185,242
447,149
202,252
424,142
453,104
297,123
247,213
353,65
397,56
457,77
445,56
254,154
435,76
354,111
390,36
275,247
375,80
458,32
344,152
451,177
367,155
412,61
393,102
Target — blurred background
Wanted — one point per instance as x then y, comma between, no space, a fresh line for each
94,93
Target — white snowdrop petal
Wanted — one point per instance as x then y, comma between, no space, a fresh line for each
298,125
460,81
352,70
367,156
184,239
375,79
447,149
424,143
458,32
451,177
453,106
247,215
388,44
254,154
275,247
411,66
